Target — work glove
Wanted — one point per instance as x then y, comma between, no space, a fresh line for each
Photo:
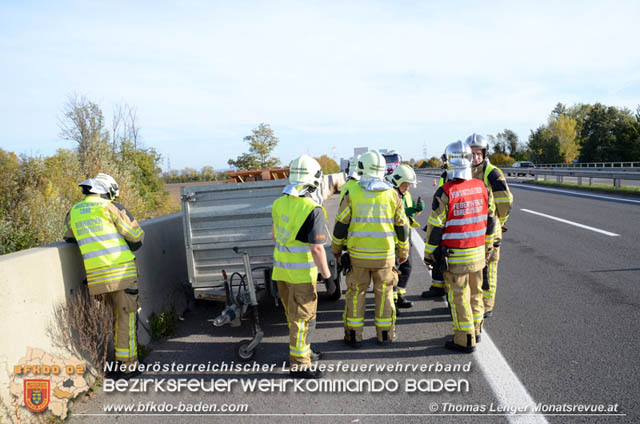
429,260
345,263
409,211
419,205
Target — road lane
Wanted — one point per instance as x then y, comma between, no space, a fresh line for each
568,300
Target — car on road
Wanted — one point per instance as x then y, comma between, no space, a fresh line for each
521,164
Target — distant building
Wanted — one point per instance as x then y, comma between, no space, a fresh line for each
360,151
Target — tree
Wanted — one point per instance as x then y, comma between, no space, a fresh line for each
499,144
610,134
510,141
262,141
83,122
501,159
564,129
544,146
434,162
328,165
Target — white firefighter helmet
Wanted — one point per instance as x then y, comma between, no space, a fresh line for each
305,170
372,165
102,184
353,167
403,174
459,158
476,140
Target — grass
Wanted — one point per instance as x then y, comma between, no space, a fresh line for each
600,188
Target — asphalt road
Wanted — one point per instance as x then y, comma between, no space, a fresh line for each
565,323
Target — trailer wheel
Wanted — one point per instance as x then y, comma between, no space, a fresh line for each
338,291
243,353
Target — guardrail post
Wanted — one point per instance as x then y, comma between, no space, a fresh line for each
559,179
616,182
589,180
579,180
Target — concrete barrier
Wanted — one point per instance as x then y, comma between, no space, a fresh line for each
35,281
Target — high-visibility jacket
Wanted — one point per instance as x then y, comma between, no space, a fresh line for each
466,223
102,230
461,259
496,183
345,188
371,234
292,259
407,201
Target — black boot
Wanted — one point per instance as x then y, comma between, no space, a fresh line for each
451,345
433,292
351,341
403,303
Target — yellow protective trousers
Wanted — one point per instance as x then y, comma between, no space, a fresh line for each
467,309
125,310
358,281
300,302
490,285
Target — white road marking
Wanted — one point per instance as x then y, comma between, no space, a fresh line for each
572,223
597,196
506,386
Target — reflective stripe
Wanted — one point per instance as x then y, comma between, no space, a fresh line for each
454,312
464,221
98,272
112,278
370,234
106,251
466,235
435,222
293,351
135,233
355,322
502,199
385,324
381,311
293,249
372,220
429,248
343,214
372,256
294,265
133,348
300,335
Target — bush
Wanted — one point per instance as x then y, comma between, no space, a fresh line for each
501,159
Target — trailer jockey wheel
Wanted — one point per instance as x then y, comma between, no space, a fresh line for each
243,352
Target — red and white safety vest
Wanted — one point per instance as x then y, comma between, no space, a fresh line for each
466,223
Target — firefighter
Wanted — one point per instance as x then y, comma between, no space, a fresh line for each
352,176
503,200
462,225
298,230
369,221
401,178
107,234
437,289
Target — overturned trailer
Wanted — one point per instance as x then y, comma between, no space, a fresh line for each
229,248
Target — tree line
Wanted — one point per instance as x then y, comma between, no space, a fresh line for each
36,192
582,132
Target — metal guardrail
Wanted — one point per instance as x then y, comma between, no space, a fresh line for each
616,175
590,165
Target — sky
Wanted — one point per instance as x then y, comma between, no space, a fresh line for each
327,76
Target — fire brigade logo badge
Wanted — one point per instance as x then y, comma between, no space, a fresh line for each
36,394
